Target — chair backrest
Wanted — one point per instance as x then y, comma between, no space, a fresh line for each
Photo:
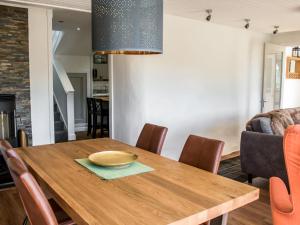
8,152
89,102
35,203
104,107
202,153
4,146
95,105
13,154
292,162
152,138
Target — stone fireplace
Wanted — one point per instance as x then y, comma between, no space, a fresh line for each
14,69
8,117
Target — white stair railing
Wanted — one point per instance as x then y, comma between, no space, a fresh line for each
63,90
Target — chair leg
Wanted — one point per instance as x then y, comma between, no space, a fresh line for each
25,222
94,125
89,125
107,125
101,127
250,178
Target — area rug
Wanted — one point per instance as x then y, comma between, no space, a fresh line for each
231,168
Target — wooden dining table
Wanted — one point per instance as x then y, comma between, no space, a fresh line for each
173,193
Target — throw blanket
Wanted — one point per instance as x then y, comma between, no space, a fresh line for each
280,119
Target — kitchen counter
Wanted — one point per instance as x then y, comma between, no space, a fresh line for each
100,94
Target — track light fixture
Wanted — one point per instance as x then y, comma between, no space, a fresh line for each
209,12
276,29
247,23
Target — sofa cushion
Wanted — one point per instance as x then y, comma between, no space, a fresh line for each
255,125
262,125
265,124
281,119
295,114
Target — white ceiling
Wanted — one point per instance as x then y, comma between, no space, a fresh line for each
263,13
74,42
79,5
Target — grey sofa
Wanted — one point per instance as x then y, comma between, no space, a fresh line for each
262,144
262,155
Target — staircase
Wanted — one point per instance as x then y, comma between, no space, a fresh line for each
61,133
63,94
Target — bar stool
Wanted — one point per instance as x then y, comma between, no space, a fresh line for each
104,115
89,102
96,114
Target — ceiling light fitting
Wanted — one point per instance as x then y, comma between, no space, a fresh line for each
209,12
276,29
247,26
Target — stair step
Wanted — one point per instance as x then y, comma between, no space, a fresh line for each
59,125
55,108
61,136
57,116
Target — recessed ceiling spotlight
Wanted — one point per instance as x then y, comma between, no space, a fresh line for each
247,23
78,29
276,29
209,12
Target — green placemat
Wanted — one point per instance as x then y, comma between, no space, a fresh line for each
109,173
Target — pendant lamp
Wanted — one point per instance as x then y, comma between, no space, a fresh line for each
127,26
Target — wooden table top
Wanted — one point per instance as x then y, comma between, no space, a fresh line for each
174,193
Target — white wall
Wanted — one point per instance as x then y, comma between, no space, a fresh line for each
41,77
208,82
40,70
291,95
291,87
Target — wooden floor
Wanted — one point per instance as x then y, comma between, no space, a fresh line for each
11,210
257,213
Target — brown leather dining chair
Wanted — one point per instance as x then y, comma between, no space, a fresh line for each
4,146
9,154
202,153
152,138
5,177
35,203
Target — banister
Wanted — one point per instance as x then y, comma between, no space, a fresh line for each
63,77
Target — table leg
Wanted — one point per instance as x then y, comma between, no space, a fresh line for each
225,219
221,220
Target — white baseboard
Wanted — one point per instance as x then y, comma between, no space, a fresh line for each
71,137
80,127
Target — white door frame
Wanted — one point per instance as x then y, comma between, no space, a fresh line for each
269,49
111,95
83,124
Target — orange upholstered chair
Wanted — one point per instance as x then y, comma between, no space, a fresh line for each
286,206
